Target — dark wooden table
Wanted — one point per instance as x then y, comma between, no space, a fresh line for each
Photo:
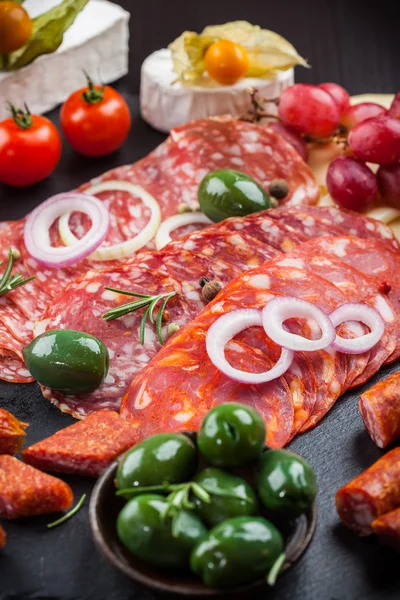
346,41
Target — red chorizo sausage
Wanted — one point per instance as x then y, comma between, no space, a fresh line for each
84,448
26,492
371,494
11,433
380,410
387,528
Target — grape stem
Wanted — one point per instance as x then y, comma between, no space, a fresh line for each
256,111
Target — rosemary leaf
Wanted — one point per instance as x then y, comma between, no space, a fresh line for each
160,315
110,289
69,514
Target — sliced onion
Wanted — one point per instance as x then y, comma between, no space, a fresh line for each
163,236
224,329
363,314
281,308
128,247
39,221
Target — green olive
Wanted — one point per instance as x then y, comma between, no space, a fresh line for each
230,496
237,551
159,540
161,458
71,362
231,435
286,483
227,193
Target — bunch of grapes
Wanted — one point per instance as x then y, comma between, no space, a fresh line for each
369,133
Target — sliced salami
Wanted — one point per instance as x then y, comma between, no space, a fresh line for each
355,224
81,306
358,288
193,385
371,258
234,248
224,142
12,367
330,367
265,229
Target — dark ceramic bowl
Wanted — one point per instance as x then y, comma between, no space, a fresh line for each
105,507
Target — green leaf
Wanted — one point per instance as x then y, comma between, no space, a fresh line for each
47,34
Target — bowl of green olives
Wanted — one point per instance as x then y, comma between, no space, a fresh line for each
208,513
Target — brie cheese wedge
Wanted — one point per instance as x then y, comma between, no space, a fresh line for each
166,103
97,43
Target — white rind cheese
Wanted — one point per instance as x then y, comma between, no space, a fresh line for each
165,104
97,43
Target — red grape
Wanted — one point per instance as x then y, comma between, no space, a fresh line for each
389,184
351,183
361,112
309,109
338,93
394,110
291,136
376,140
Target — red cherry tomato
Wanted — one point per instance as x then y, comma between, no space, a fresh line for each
30,148
95,120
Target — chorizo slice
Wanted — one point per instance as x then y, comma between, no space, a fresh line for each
371,494
12,433
27,492
84,448
380,410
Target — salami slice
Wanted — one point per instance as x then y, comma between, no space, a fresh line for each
371,494
224,142
184,373
12,433
85,448
358,288
234,248
330,367
368,257
81,306
265,229
12,367
27,492
355,224
380,410
387,528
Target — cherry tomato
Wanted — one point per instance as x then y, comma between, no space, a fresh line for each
30,148
15,27
226,62
95,120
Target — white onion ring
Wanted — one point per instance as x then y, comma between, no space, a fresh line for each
163,234
224,329
365,314
39,221
277,310
128,247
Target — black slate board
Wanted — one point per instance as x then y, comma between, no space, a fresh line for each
348,42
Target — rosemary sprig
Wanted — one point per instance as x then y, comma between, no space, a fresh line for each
10,282
69,514
148,301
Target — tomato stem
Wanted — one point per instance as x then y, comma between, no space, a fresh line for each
22,118
93,95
